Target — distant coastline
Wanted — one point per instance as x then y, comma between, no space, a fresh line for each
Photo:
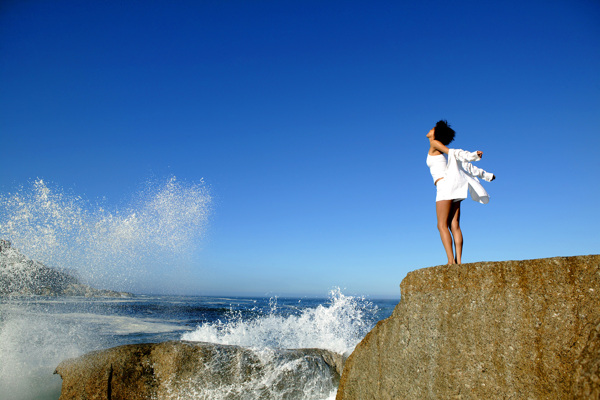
22,276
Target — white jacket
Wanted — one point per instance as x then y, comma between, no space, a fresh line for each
462,176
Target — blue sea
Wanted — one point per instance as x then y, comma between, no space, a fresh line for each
37,333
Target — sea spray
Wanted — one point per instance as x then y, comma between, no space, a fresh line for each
106,248
102,246
40,332
337,325
230,372
31,345
113,248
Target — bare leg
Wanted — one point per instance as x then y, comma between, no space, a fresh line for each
442,209
454,225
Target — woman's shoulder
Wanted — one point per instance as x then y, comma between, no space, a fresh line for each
437,147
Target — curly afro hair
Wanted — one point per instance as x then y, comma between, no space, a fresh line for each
443,132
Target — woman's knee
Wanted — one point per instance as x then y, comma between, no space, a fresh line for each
454,226
443,226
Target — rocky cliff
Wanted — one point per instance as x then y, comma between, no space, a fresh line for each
194,370
489,330
21,276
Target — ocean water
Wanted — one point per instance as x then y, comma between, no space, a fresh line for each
117,248
37,333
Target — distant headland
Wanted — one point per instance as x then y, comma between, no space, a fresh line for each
22,276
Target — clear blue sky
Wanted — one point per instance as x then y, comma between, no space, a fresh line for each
307,122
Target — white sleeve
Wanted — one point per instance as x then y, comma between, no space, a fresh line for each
463,155
478,172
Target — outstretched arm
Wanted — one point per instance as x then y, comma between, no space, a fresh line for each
468,156
461,155
474,171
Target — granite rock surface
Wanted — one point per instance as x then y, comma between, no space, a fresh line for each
196,370
489,330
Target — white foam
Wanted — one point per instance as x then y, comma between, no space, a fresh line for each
338,327
31,346
268,376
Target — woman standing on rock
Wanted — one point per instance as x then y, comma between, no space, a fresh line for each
455,177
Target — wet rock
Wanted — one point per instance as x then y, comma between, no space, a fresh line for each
174,370
489,330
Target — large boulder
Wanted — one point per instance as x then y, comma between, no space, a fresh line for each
196,370
488,330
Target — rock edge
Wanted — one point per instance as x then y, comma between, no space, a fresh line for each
489,330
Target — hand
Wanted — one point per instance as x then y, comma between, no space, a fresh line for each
480,153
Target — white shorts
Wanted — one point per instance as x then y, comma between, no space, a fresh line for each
443,191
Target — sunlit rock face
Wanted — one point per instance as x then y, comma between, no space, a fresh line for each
21,276
489,330
196,370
